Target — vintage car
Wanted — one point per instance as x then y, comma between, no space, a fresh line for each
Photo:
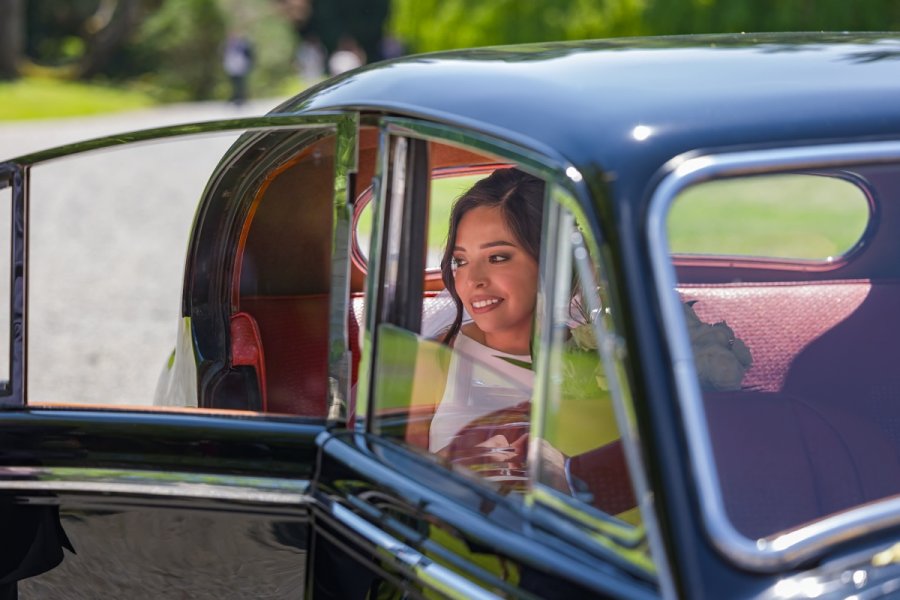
712,408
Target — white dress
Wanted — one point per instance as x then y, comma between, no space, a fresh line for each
479,382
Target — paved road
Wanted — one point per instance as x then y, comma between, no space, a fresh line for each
108,237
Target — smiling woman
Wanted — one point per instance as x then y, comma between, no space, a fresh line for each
490,268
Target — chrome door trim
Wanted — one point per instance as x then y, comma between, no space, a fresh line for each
163,484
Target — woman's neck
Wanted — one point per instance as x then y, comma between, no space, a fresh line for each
517,344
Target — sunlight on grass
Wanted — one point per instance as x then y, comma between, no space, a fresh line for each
793,216
41,98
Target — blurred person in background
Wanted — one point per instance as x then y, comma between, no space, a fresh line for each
311,58
347,56
237,60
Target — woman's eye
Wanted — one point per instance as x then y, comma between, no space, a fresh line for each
457,262
498,258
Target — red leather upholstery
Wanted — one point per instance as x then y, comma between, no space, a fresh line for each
247,349
294,333
292,344
777,320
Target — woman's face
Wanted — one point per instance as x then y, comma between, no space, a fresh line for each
496,279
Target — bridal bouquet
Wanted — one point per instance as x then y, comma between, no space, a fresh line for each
582,370
721,358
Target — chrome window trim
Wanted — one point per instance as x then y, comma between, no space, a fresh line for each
791,548
163,484
346,165
269,122
374,276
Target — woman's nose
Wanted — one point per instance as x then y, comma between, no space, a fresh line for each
477,276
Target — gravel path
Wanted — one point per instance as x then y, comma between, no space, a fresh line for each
108,237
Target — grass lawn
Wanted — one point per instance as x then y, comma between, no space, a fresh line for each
779,216
40,98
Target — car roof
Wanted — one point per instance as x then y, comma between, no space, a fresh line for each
626,106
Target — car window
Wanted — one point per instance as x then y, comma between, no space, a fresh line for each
582,464
108,234
444,383
794,366
439,385
118,316
445,186
806,216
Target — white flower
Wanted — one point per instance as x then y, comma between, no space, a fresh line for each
583,337
721,359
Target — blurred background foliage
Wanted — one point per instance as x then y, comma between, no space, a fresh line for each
171,50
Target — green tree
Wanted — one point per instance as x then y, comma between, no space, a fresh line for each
12,26
426,25
731,16
179,48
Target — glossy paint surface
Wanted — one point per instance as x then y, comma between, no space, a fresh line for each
158,441
188,506
202,550
487,539
621,104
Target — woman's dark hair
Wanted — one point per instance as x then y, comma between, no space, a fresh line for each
520,198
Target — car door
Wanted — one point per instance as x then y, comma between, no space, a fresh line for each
393,516
145,450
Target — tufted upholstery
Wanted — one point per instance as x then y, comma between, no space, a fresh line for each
816,428
783,462
777,320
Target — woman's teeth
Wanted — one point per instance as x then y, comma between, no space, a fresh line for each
485,303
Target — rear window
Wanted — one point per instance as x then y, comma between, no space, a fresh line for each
788,216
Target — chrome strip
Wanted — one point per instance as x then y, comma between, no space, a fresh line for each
789,549
373,281
339,358
438,577
259,123
259,490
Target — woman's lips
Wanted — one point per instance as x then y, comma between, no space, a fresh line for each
484,304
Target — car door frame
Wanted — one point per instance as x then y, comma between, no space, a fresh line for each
181,463
394,552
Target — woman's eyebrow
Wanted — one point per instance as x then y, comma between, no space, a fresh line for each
493,244
496,243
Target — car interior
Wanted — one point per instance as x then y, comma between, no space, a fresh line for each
812,429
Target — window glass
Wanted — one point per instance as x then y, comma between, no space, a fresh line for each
469,410
446,185
461,390
795,367
108,234
785,216
581,447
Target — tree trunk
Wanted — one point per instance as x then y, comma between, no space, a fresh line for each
12,28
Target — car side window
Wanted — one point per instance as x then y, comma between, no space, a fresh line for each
245,322
583,467
458,380
453,374
792,348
